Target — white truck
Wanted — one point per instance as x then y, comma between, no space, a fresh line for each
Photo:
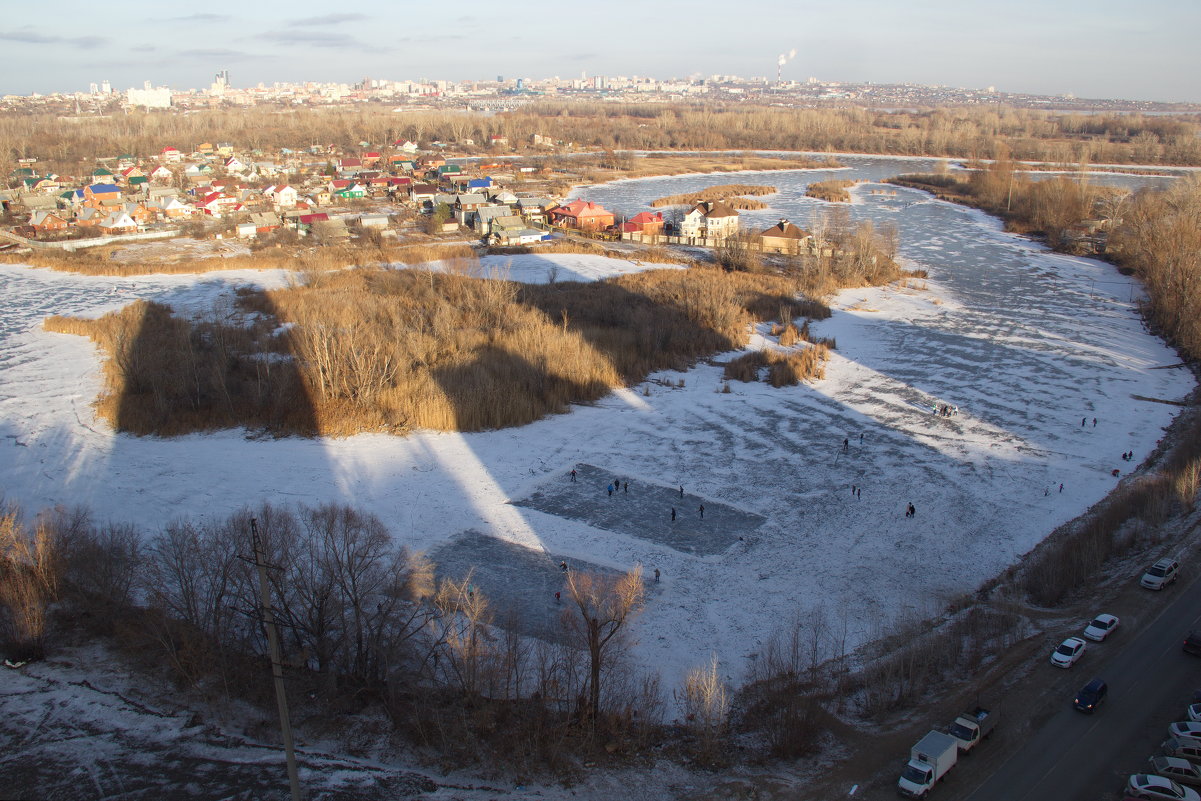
972,727
929,761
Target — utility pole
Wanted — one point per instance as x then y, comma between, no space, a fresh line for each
277,669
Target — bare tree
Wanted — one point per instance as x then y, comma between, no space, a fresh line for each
603,604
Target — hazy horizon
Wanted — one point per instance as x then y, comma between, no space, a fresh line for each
1102,49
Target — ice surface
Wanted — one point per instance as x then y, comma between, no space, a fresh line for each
1026,343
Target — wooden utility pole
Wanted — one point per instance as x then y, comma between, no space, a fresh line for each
277,669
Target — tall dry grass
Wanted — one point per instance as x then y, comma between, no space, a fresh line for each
734,194
29,582
299,259
389,350
831,191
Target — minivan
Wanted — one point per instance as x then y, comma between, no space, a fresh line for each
1160,574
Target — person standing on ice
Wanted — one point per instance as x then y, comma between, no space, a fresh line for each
1083,420
673,514
702,511
1094,422
681,490
625,487
610,490
573,474
846,444
656,575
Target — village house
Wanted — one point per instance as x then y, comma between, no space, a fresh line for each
118,223
284,196
170,155
646,223
784,237
422,194
47,222
483,218
581,215
710,219
161,175
95,194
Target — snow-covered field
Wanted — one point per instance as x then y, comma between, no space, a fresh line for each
1025,343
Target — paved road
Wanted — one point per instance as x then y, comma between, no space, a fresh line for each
1074,756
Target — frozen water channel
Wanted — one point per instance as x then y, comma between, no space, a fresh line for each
1026,343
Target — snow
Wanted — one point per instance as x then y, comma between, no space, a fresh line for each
540,268
1026,343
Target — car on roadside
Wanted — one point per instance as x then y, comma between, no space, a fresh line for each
1148,785
1192,644
1185,728
1068,652
1091,696
1160,574
1177,769
1101,627
1194,712
1183,747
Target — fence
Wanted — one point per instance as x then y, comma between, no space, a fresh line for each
75,244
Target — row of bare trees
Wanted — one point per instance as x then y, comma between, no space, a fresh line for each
362,617
959,132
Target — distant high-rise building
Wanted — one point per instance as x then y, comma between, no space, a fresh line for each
147,85
500,79
220,83
149,97
106,88
93,88
521,84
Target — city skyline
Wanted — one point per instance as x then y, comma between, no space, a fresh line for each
1098,50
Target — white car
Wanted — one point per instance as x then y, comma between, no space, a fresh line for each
1101,627
1068,652
1185,728
1146,785
1178,770
1194,712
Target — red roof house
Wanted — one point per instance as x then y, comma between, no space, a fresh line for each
582,216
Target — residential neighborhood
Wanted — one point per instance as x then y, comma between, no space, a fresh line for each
217,191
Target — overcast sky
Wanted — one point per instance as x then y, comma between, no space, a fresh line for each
1099,48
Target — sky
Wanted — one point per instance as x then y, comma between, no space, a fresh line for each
1101,49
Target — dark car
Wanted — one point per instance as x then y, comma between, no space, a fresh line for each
1192,644
1090,696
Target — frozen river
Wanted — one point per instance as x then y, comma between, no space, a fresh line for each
1026,343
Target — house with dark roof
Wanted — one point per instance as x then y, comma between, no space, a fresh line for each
710,219
784,237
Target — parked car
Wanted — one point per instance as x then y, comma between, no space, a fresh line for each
1068,652
1090,696
1178,770
1183,747
1194,712
1146,785
1101,627
1160,574
1185,728
1192,643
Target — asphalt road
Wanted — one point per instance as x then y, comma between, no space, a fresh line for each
1089,757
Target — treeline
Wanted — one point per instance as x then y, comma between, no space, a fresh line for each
364,622
958,132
